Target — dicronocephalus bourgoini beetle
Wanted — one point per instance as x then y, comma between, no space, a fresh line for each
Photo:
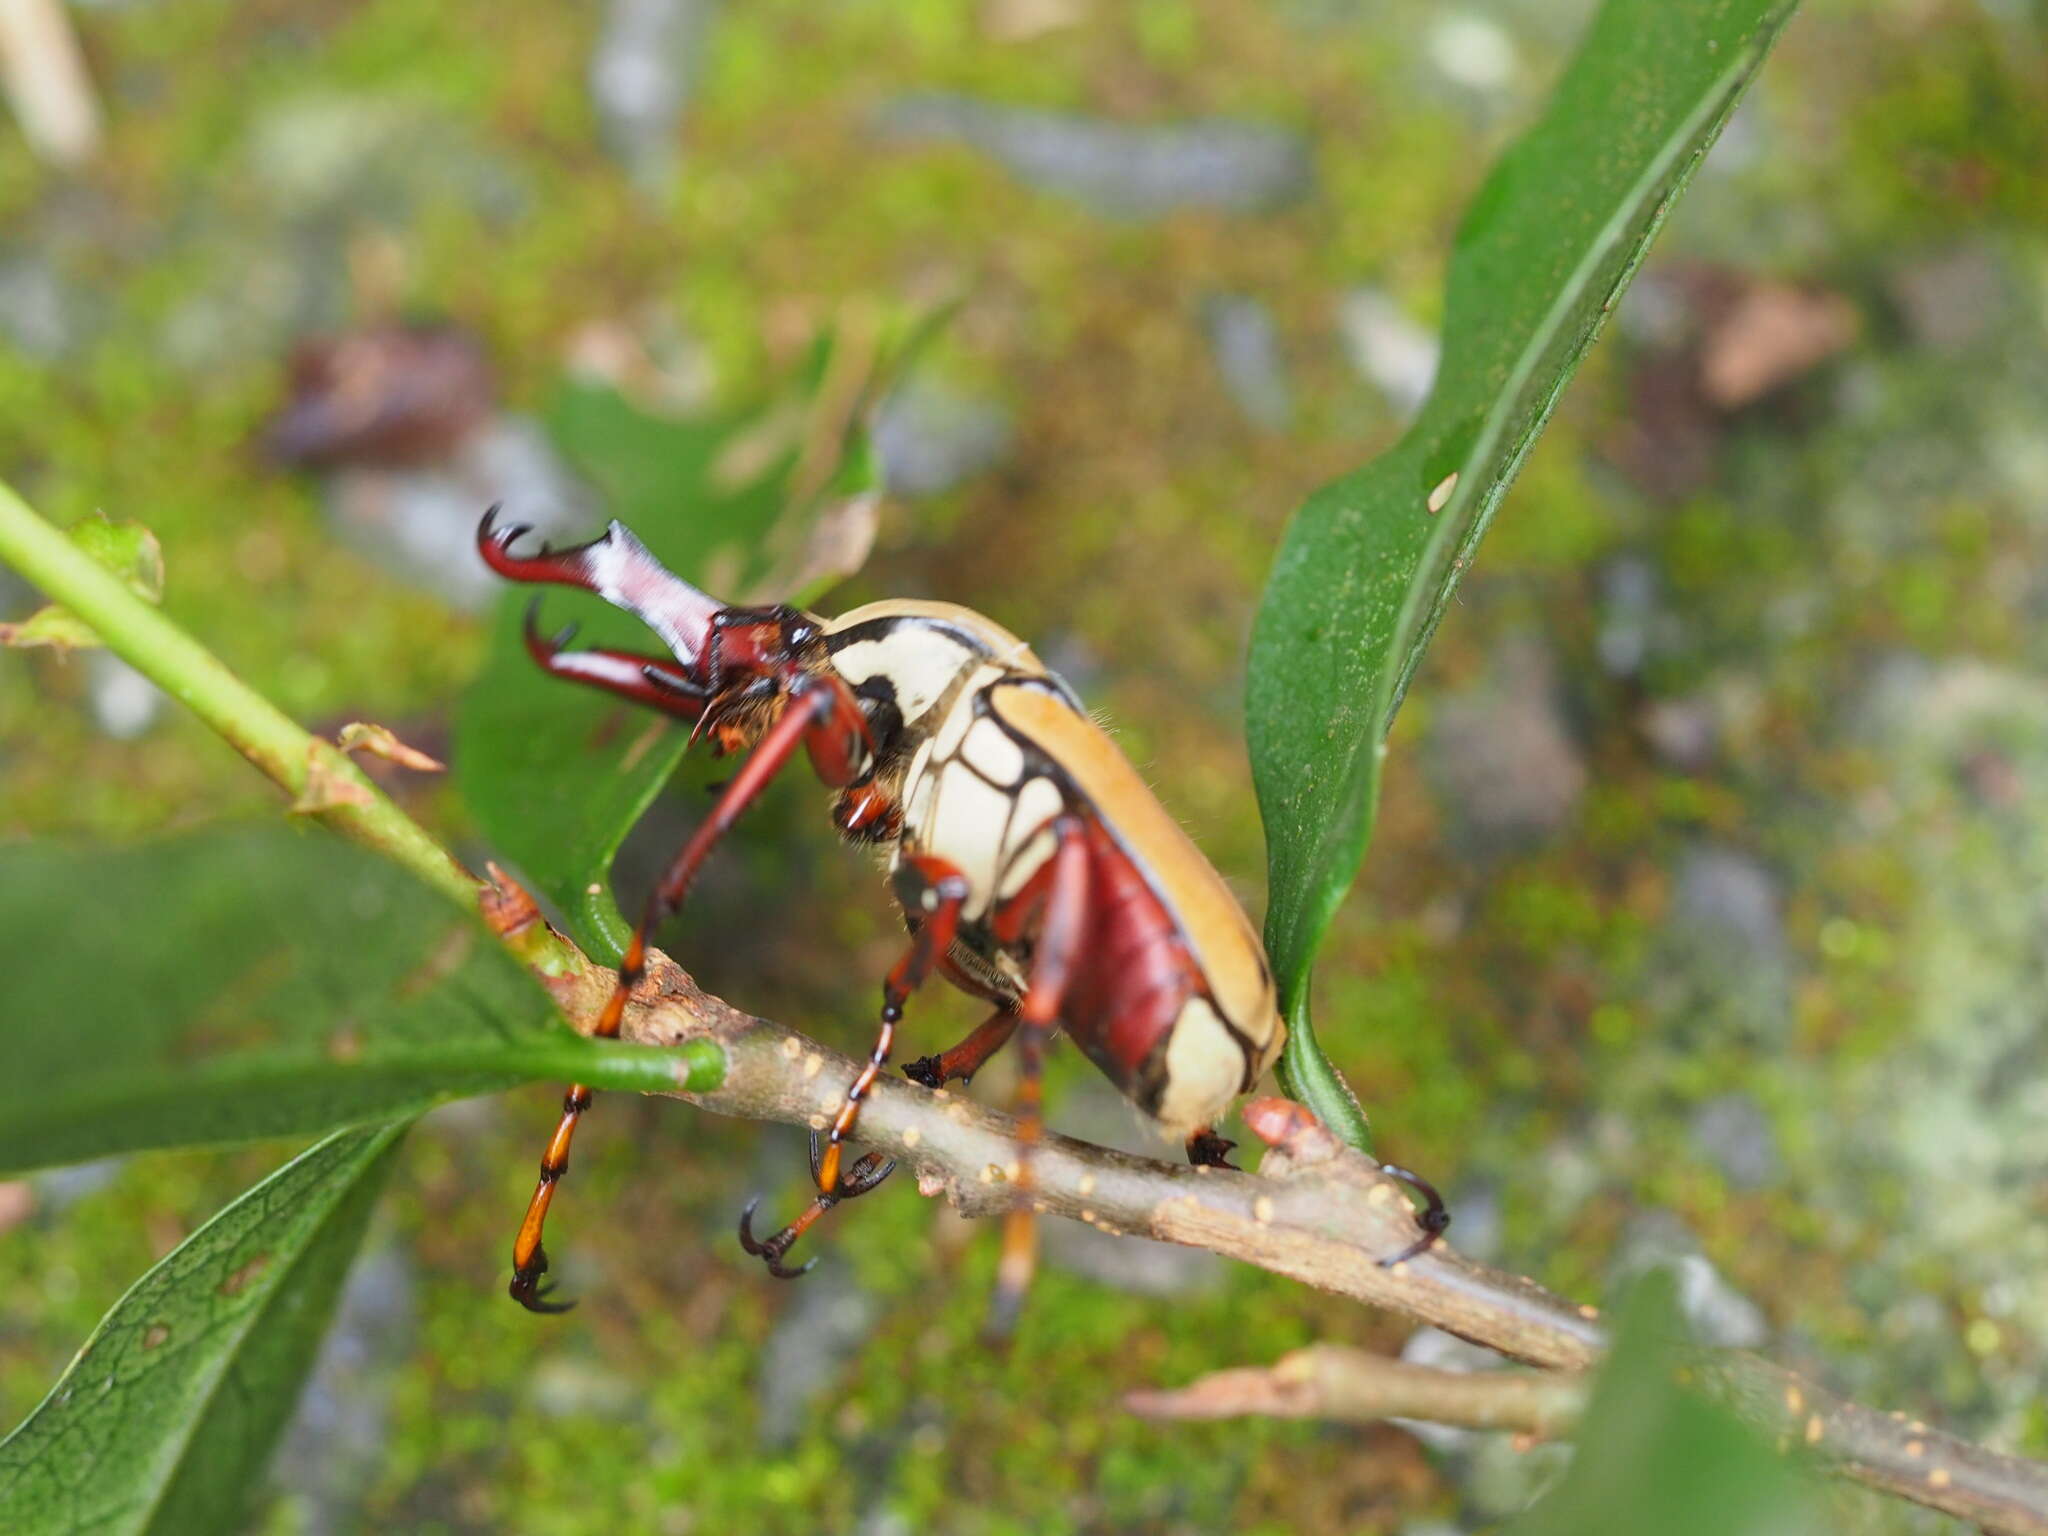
1034,867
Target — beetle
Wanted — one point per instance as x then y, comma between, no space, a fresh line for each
1033,866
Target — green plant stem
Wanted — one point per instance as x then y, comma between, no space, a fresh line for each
185,669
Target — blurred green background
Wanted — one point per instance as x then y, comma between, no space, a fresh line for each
1705,918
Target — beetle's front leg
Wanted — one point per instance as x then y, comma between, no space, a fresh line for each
807,712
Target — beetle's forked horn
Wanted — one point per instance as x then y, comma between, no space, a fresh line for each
618,568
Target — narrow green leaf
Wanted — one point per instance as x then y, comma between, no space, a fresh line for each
557,774
1370,563
1655,1456
259,982
165,1421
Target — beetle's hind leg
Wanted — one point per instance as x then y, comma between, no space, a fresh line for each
1062,927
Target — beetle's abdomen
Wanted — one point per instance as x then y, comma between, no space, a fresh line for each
1139,1005
1171,996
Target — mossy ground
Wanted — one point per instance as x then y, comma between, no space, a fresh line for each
1510,1019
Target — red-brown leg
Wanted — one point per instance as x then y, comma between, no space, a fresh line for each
934,891
856,1181
1063,926
810,709
961,1062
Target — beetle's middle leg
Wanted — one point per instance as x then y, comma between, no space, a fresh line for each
961,1062
931,892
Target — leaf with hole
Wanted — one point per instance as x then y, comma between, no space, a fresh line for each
1370,563
165,1420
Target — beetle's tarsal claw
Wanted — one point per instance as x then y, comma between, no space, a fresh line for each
1434,1218
530,1293
1208,1150
747,1240
864,1176
770,1250
924,1070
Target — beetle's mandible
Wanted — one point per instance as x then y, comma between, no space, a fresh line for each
1033,866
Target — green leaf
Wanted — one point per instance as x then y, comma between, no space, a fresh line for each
129,550
1655,1456
557,774
166,1419
259,982
1370,563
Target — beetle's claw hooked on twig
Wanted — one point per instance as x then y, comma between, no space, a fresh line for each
1434,1218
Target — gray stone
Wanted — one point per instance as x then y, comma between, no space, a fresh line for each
824,1328
1395,354
1506,770
1725,892
1950,300
421,524
1246,345
1472,50
1718,1314
1636,625
335,1441
125,704
1119,170
642,69
1684,733
58,1189
1734,1134
328,154
1723,964
1476,1215
38,313
931,438
572,1386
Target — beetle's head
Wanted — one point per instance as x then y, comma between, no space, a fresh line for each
730,663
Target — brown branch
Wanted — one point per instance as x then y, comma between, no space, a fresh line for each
1316,1211
1331,1381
